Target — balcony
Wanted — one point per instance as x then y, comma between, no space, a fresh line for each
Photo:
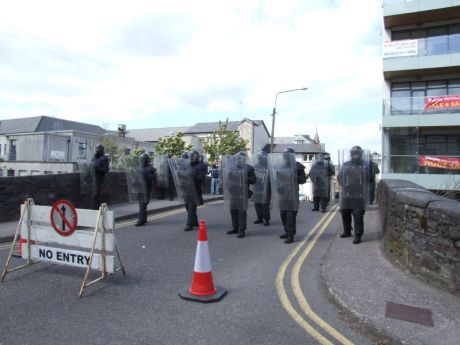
421,111
438,45
422,105
409,12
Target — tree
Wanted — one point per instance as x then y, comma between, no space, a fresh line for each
131,160
173,145
223,141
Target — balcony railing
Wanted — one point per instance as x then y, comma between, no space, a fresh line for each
421,105
437,45
423,164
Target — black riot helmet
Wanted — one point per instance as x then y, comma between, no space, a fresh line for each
240,159
327,158
262,158
194,157
288,154
144,159
99,150
356,153
185,155
320,157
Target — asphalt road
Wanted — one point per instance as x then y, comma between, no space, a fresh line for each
39,305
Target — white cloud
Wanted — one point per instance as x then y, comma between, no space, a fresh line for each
113,61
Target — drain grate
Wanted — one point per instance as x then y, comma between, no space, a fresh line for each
408,313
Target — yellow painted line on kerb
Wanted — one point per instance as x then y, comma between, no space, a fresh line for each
282,294
295,282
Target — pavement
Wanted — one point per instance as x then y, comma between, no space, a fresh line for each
122,211
361,279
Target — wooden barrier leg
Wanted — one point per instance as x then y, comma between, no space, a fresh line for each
88,269
18,229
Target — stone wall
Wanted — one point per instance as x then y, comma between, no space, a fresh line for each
422,232
45,189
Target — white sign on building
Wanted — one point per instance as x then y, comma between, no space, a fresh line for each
392,49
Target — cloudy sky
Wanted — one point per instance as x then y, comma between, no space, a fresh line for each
150,63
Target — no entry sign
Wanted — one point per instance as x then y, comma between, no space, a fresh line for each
64,217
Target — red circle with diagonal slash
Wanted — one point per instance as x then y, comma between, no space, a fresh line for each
56,209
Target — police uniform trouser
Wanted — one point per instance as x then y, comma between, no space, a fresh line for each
143,202
262,211
96,197
358,221
319,201
192,217
288,218
239,219
371,192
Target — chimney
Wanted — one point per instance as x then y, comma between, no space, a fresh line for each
122,130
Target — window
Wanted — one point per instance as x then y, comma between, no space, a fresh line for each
22,173
35,172
46,172
12,150
1,172
10,172
81,149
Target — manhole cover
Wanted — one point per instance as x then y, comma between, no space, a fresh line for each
408,313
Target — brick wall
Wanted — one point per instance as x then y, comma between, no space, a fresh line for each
422,232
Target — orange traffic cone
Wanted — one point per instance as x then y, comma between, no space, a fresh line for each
202,289
21,242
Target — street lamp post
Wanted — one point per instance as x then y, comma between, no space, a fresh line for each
274,113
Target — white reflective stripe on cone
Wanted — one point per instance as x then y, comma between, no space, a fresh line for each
202,259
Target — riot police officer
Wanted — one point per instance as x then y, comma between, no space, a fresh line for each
147,172
353,181
286,174
237,176
197,180
100,164
320,175
261,189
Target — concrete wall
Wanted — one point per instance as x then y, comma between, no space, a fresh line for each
46,189
422,232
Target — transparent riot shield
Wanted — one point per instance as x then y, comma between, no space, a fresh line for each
161,166
183,179
319,177
260,188
87,178
283,180
353,180
136,185
235,182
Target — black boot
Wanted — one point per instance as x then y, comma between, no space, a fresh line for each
266,223
315,209
289,239
258,221
188,228
345,234
241,234
283,236
357,240
140,223
232,232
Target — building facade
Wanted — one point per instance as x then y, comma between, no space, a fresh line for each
46,145
421,92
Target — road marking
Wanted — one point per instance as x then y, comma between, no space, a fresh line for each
295,282
282,294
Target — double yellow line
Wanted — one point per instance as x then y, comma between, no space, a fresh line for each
305,248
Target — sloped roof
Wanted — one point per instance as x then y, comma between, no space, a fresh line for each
298,148
26,125
153,134
209,127
46,124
